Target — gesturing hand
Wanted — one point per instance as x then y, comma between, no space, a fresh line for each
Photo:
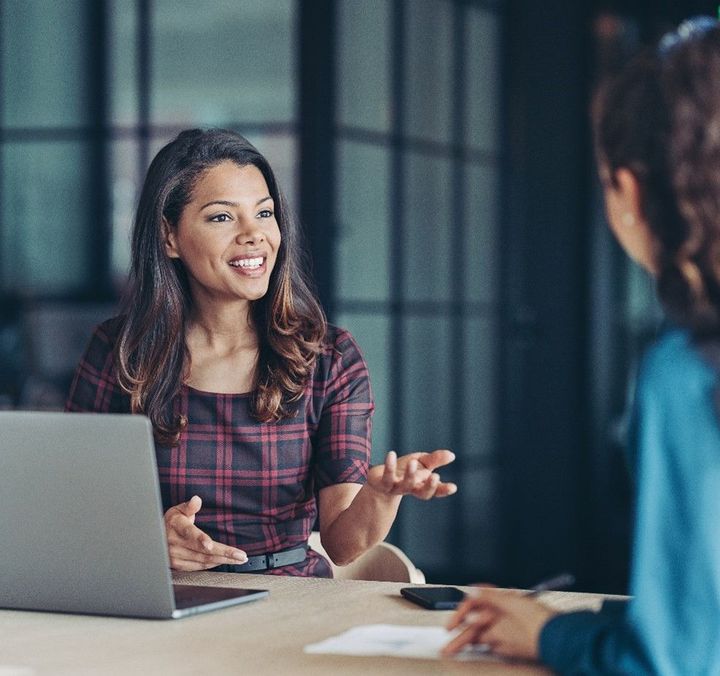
412,474
508,622
189,547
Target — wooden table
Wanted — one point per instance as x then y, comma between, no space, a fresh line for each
262,637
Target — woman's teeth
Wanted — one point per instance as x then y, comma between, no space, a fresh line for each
247,263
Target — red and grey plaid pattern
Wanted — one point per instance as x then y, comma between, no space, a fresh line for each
258,481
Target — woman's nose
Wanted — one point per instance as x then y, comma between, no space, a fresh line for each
249,232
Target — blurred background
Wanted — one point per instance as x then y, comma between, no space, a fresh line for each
438,154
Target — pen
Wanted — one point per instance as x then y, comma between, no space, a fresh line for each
561,581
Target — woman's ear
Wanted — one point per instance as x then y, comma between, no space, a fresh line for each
629,191
624,203
169,239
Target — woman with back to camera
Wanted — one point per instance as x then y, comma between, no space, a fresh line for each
657,134
261,410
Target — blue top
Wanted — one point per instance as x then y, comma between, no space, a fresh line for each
672,623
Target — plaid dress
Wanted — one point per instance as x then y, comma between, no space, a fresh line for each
258,481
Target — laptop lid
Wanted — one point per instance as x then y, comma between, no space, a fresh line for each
82,526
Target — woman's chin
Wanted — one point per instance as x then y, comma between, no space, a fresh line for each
253,295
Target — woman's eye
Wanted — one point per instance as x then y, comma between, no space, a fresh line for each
266,213
220,218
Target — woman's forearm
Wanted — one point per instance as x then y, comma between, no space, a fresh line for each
362,524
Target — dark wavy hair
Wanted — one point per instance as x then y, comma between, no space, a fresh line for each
660,118
151,354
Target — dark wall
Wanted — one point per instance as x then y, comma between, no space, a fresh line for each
545,197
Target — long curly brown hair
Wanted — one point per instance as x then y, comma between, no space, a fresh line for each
660,118
151,355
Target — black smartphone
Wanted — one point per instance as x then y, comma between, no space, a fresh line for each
434,598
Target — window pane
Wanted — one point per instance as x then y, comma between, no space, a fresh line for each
430,235
44,82
282,153
480,358
428,59
125,191
426,533
477,490
158,141
427,390
123,51
363,242
45,217
482,78
372,333
364,47
223,62
481,248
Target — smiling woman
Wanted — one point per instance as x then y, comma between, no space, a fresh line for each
261,410
227,240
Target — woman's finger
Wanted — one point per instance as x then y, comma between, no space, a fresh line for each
467,606
427,489
188,565
435,459
409,481
411,467
181,523
412,478
185,566
201,543
468,636
445,489
388,477
224,555
190,534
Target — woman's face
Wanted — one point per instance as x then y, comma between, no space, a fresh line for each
227,236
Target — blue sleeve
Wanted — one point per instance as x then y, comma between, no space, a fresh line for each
672,624
676,556
592,643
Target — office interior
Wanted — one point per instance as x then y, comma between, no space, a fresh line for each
438,154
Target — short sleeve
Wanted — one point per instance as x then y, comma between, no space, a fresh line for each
342,441
94,388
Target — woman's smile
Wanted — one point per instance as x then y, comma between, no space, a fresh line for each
250,266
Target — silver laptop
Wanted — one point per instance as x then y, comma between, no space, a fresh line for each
81,526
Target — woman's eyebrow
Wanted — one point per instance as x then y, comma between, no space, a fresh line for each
229,203
226,203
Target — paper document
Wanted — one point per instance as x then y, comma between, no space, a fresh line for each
394,640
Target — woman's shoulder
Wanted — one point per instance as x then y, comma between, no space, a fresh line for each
677,363
340,352
337,337
674,350
340,370
339,343
102,340
109,330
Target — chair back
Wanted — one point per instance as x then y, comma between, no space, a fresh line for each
383,562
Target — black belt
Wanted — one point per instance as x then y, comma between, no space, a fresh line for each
266,561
